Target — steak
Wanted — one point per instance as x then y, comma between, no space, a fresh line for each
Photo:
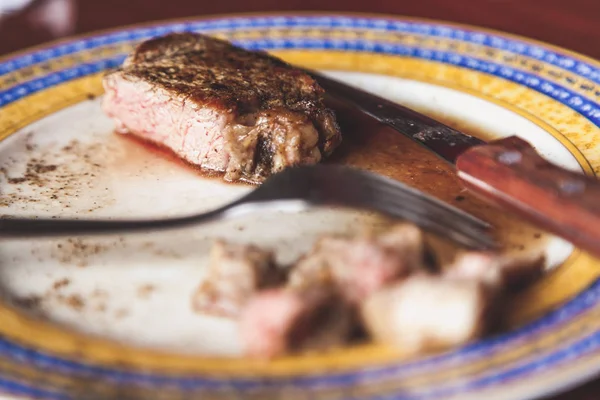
284,320
235,273
498,272
423,313
220,107
360,266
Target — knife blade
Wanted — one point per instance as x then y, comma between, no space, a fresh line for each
507,172
443,140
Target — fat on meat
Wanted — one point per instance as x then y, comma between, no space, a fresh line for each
427,312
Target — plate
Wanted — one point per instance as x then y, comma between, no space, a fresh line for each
109,317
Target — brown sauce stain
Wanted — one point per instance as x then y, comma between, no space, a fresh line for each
75,301
378,148
78,251
61,283
145,291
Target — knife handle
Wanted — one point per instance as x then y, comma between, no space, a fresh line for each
510,173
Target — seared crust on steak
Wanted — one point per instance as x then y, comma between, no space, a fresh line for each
235,273
256,112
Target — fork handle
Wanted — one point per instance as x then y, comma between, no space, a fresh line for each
510,173
14,228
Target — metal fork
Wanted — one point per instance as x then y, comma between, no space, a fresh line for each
294,189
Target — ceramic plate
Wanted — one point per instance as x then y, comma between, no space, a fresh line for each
110,317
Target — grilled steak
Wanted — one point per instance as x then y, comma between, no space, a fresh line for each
361,265
372,285
235,273
498,272
220,107
425,312
283,320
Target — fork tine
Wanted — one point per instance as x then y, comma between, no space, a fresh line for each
479,242
421,217
403,201
439,212
373,181
396,187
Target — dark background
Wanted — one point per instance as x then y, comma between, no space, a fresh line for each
573,24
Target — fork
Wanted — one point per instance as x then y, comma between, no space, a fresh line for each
295,189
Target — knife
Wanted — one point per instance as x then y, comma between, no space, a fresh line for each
507,172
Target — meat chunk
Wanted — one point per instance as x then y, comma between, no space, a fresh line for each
425,312
235,273
220,107
360,266
283,320
497,271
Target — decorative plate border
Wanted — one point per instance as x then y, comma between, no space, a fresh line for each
584,304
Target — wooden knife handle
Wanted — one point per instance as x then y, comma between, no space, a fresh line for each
512,174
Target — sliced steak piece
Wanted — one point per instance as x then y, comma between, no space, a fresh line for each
281,321
360,266
497,271
425,312
235,273
220,107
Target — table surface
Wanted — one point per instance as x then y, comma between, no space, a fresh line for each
572,24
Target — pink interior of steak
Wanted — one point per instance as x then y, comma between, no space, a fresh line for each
251,147
193,133
361,266
280,320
